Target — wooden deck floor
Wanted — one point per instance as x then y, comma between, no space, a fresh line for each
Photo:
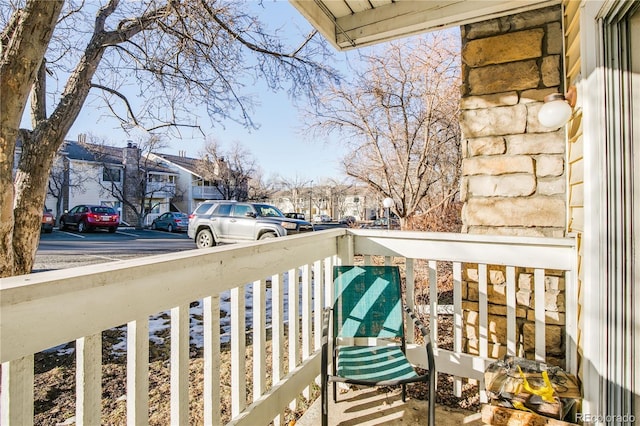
368,407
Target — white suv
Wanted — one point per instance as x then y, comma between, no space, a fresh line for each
221,221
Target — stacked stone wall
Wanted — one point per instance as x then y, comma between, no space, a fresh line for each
525,313
513,172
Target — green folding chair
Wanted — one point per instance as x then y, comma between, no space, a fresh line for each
368,304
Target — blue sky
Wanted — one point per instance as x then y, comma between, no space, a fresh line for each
278,145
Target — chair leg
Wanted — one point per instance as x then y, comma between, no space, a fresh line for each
432,398
325,404
404,393
335,392
324,387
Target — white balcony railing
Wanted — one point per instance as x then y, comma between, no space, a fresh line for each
161,189
205,192
43,310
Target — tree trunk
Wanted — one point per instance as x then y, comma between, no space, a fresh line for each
28,32
30,182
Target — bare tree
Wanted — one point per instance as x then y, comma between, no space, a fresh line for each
62,183
298,191
148,62
259,188
338,193
399,116
229,171
132,177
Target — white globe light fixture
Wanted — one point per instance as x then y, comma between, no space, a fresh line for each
557,109
388,203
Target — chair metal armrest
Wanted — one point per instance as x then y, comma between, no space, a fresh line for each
425,333
423,329
430,362
326,317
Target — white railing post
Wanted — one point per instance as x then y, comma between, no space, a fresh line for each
89,379
511,310
294,325
259,339
211,335
238,352
277,335
457,320
540,338
180,365
318,303
433,301
16,403
483,322
138,372
306,318
410,284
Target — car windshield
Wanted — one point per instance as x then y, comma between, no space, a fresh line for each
266,210
102,209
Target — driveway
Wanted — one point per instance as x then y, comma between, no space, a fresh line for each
67,249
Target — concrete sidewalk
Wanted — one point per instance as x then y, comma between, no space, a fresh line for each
369,407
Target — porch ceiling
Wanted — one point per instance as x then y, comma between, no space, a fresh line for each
348,24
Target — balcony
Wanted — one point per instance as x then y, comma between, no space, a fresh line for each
205,193
43,310
160,189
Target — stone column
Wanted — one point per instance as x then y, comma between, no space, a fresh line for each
513,171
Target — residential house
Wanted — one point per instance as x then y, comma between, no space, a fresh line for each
191,182
87,173
336,202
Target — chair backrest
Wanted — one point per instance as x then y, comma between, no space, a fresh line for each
368,302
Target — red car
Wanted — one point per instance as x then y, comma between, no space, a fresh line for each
47,221
86,218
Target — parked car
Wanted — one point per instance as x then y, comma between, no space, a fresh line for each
322,218
221,221
171,221
47,221
295,216
348,220
85,218
382,223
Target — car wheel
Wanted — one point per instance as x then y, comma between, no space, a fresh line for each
204,239
154,226
112,229
267,235
82,227
48,230
63,225
169,228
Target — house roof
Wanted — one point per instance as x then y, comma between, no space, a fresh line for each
105,154
186,163
348,24
92,152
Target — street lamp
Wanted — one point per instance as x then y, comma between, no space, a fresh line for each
387,203
310,200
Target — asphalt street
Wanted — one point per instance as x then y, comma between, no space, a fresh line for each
65,249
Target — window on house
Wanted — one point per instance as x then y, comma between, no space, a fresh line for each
111,174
